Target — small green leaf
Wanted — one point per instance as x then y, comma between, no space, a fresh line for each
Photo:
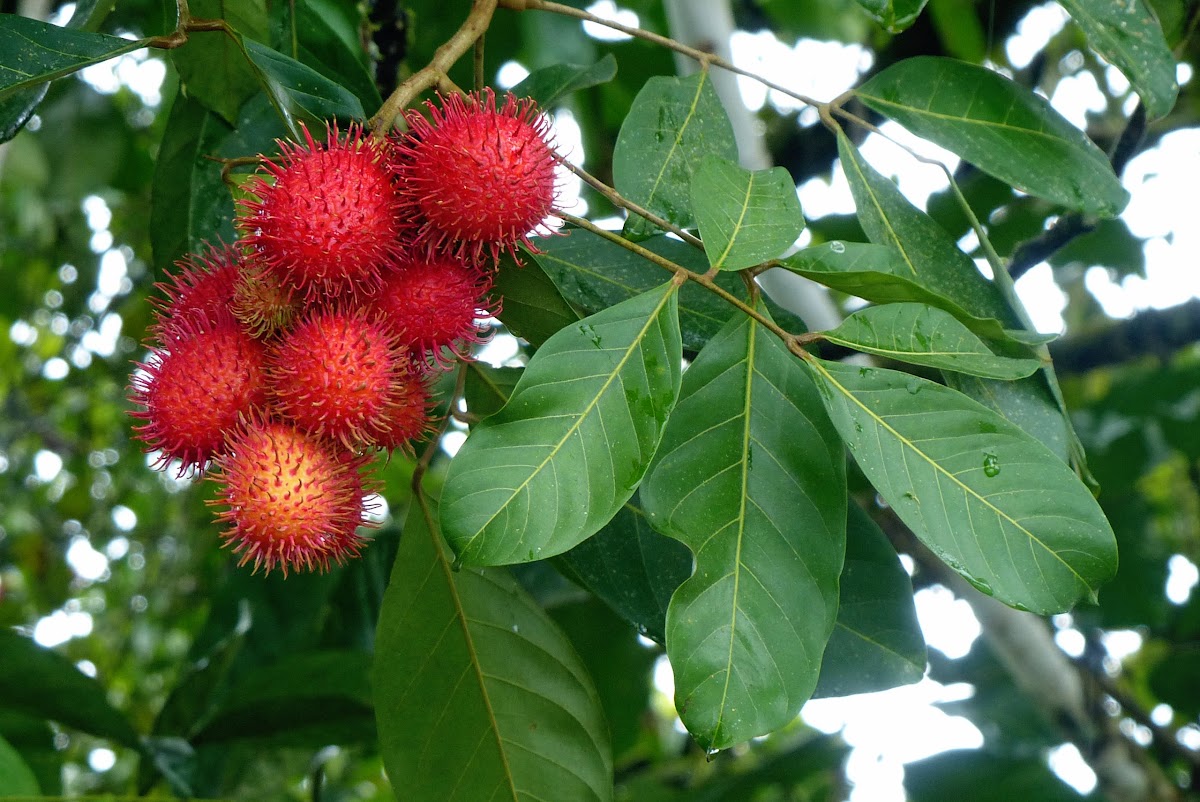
478,695
549,84
530,305
1128,35
34,52
877,642
751,477
632,568
672,124
894,15
300,93
1000,127
571,445
924,335
44,683
744,217
993,503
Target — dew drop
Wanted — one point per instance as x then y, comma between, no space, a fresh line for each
837,246
991,465
711,754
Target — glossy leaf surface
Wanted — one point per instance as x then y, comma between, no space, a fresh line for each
34,52
750,476
550,84
574,440
999,126
300,93
745,217
993,503
477,693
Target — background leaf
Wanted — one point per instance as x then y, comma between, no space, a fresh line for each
213,66
477,694
531,306
750,476
550,84
894,15
923,335
1128,35
999,126
877,641
16,778
672,124
744,217
572,443
328,40
993,503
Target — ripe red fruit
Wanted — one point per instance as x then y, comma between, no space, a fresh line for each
193,388
481,178
433,304
293,501
406,416
329,222
262,303
332,375
203,286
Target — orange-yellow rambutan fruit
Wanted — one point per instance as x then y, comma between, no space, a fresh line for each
261,303
292,501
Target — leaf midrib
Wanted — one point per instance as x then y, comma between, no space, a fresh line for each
678,138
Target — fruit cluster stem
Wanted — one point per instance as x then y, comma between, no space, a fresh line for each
474,27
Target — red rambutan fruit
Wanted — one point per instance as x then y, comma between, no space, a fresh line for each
329,221
407,415
481,178
194,386
333,373
293,501
203,286
262,303
433,303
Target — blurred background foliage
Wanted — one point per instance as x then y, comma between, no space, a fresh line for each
236,686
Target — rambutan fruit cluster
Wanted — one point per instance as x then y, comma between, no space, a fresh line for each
364,266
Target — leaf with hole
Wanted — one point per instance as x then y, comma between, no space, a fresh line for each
570,446
751,477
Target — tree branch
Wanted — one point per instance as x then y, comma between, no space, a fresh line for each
1154,332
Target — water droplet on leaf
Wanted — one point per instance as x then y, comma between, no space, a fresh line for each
837,247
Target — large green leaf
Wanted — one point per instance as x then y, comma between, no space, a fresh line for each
550,84
300,93
632,568
877,642
745,217
1001,127
1129,36
593,273
16,778
992,502
672,124
34,52
894,15
924,335
43,683
572,443
751,477
327,39
213,66
477,694
530,305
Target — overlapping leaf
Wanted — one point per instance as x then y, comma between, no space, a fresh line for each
569,448
672,124
924,335
750,476
531,306
745,217
1129,36
992,502
300,93
477,693
213,67
999,126
877,641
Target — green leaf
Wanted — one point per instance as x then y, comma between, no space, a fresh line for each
327,40
875,273
530,306
17,108
751,477
894,15
477,694
993,503
44,683
985,777
928,255
213,67
1026,403
672,124
744,217
16,778
593,273
1000,127
571,445
959,29
631,568
550,84
34,52
487,389
877,642
300,93
924,335
1128,35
